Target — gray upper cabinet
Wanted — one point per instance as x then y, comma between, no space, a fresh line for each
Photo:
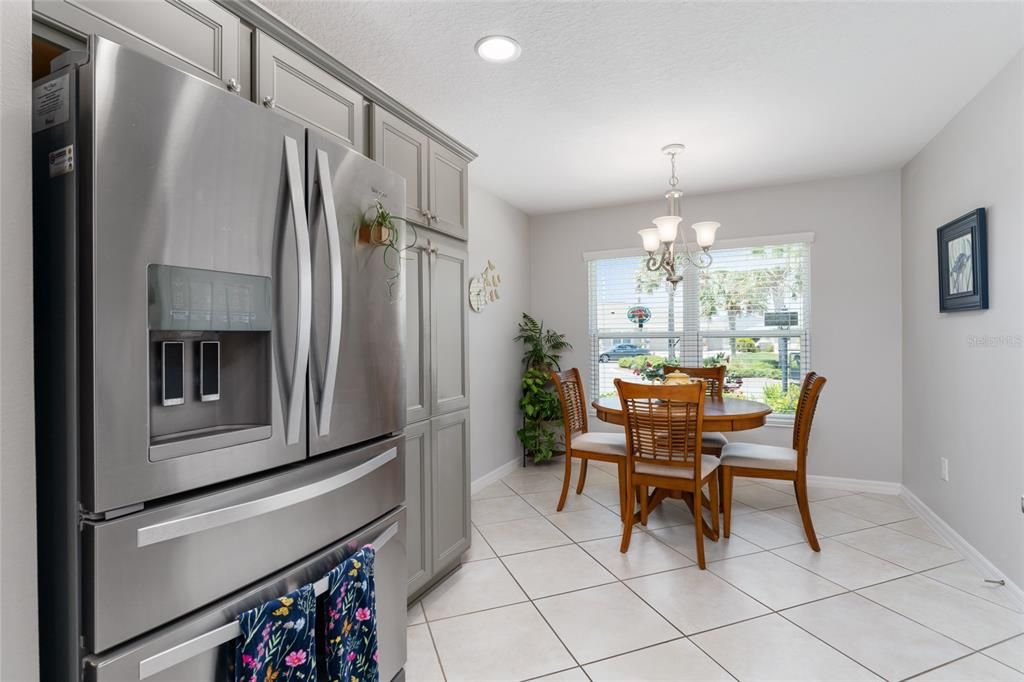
401,148
436,178
417,333
297,88
449,190
449,326
450,483
198,36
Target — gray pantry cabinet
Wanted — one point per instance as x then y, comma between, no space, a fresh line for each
449,441
418,534
436,485
436,178
437,389
240,47
417,334
437,317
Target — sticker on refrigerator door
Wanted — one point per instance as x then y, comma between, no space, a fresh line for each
62,161
50,105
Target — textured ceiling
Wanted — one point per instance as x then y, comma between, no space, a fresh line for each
761,93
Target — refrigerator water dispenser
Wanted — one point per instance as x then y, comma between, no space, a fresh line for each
210,380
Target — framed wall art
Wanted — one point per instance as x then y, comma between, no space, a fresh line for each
963,263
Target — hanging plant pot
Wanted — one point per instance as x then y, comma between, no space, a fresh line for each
377,229
376,234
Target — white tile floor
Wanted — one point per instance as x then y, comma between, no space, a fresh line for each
546,595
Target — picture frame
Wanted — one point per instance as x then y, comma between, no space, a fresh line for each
963,263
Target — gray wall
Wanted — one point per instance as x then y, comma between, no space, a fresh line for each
963,401
499,232
18,638
855,282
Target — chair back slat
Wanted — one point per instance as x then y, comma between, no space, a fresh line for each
714,377
663,424
810,390
569,386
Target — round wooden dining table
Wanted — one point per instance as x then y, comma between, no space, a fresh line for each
720,414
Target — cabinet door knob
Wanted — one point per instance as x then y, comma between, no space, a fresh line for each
234,85
268,102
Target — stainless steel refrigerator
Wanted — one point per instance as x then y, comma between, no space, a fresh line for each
220,378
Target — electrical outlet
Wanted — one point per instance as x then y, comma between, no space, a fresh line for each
944,468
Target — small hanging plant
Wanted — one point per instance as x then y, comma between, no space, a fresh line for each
377,228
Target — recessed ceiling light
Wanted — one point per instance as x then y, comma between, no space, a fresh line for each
498,49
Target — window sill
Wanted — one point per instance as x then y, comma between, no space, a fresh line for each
780,420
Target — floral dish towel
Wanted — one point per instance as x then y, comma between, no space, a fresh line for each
279,640
350,634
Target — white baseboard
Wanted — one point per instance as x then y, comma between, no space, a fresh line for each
499,473
857,485
975,558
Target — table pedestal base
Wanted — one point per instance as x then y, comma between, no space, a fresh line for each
657,495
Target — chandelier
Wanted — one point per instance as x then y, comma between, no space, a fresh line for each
663,253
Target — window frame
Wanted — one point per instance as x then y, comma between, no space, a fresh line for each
693,327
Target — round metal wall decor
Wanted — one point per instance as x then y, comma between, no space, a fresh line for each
483,288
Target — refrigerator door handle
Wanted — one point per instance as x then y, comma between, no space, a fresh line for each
197,523
208,640
305,277
323,173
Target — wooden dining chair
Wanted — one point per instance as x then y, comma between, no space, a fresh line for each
780,463
582,443
663,436
712,442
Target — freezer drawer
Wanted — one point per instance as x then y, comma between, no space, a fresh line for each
144,570
190,650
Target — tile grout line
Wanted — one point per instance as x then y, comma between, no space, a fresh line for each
539,612
984,652
943,665
970,649
924,625
684,636
761,549
535,607
437,654
689,637
893,523
847,590
770,609
782,615
941,582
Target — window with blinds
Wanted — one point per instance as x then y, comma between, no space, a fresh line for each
750,311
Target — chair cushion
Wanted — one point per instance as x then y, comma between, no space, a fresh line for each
758,456
601,443
714,439
708,463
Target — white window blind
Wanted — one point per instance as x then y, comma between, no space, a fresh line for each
750,310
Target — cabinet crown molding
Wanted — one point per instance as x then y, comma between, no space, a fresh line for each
263,19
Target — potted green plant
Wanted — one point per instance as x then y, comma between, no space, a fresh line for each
539,403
